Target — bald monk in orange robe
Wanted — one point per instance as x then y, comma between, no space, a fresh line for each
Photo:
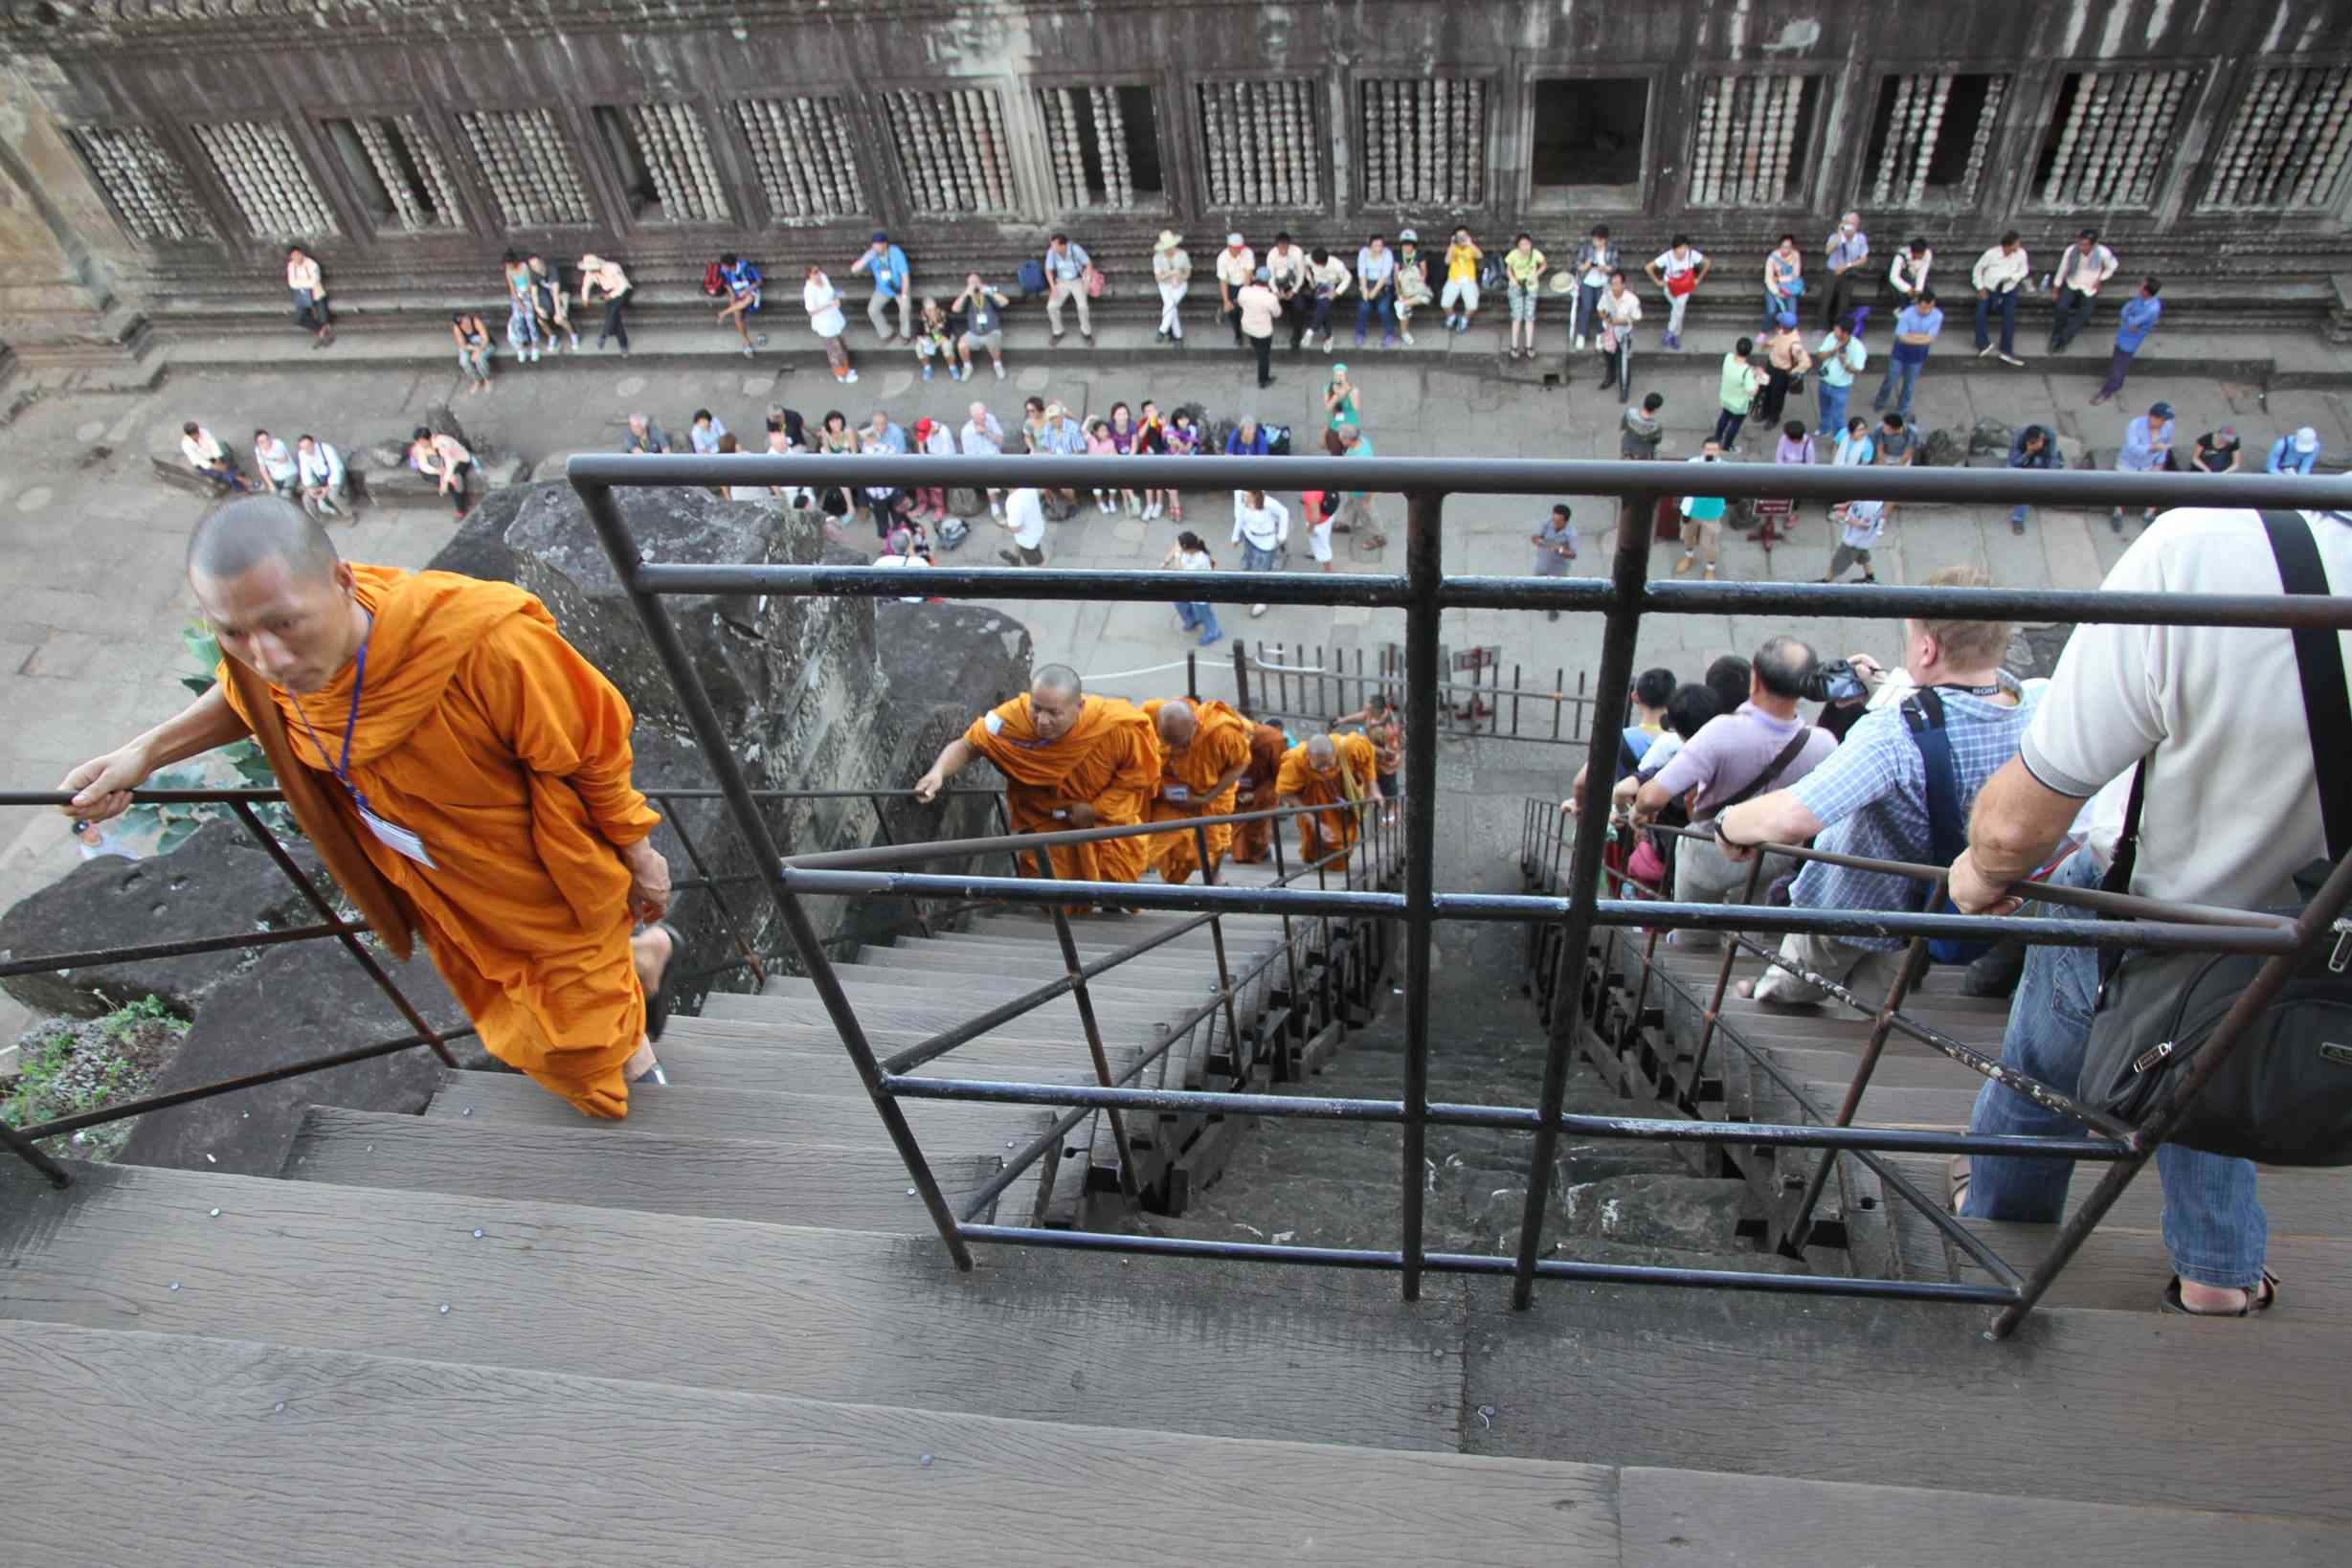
1071,761
1254,841
1328,768
461,770
1204,750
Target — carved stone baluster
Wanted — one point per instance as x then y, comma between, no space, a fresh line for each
2053,189
1980,144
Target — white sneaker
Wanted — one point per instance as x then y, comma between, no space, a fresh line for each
1580,340
849,375
1000,372
995,508
1307,338
1256,610
1407,337
1109,510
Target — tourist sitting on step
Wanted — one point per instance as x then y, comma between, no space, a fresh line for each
1069,761
1871,798
208,457
1204,750
457,765
1339,771
2230,813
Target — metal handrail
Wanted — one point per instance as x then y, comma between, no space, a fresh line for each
1423,591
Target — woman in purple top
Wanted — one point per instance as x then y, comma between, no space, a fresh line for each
1123,442
1183,440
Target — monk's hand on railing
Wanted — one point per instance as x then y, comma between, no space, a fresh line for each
926,788
649,881
102,787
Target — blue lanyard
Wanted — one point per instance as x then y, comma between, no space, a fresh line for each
343,768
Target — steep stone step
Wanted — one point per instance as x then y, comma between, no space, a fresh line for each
829,1314
848,1187
1933,1071
881,1008
976,993
1911,1395
194,1435
1697,1213
1892,1105
918,953
724,1053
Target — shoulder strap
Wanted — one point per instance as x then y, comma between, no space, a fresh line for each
1771,775
1947,831
2318,658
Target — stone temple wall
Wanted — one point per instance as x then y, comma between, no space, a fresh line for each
156,154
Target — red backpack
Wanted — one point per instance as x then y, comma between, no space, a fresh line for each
713,284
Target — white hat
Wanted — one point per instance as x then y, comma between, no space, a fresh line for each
2307,439
1405,236
1169,241
1235,240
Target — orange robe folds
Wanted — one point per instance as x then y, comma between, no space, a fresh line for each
1349,778
485,733
1254,841
1108,759
1221,744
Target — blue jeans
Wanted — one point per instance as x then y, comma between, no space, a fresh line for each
2214,1226
1200,616
1588,307
1254,559
1832,401
2006,305
1382,309
1901,378
2017,514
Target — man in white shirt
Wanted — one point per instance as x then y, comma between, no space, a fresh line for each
1024,519
983,438
1327,280
319,471
1260,526
1375,291
1236,264
2085,266
309,290
1908,274
2230,813
207,456
1286,273
902,553
1846,250
1997,275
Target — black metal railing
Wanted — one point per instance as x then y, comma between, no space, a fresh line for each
352,935
1422,592
1279,681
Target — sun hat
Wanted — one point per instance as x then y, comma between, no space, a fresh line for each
1235,240
1408,235
2307,439
590,261
1564,283
1169,239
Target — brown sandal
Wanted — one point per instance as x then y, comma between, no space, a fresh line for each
2257,1301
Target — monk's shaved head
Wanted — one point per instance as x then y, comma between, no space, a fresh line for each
253,529
1057,680
1178,726
1320,752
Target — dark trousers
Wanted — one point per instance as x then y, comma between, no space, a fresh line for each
1727,428
2073,314
310,312
1233,316
457,491
2005,305
1263,349
1294,312
1319,317
1839,297
2118,368
614,327
1617,368
1775,396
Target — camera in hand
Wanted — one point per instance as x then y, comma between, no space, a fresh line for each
1836,681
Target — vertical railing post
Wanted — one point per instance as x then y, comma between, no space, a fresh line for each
1192,675
351,941
1076,969
1723,977
881,825
1217,940
1915,965
26,1149
1276,826
718,894
1424,570
1629,579
719,755
1241,678
1004,830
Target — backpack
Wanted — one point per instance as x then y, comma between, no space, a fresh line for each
1033,276
952,532
2283,1095
1947,824
714,284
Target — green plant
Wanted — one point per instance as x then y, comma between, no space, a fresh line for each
172,824
90,1066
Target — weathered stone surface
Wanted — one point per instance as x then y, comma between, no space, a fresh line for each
1690,1212
1942,449
1990,437
217,883
292,1003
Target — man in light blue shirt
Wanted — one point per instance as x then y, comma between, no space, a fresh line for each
2140,316
1917,325
1375,291
2146,449
1066,265
879,429
1840,359
2293,453
707,432
893,280
1846,249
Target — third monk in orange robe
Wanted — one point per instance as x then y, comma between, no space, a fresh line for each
1254,841
1204,750
1070,761
1328,768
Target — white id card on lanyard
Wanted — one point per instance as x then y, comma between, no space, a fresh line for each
392,835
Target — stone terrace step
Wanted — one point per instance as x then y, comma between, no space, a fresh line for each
197,1438
830,1315
804,1183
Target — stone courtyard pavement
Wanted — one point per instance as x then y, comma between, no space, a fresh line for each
90,541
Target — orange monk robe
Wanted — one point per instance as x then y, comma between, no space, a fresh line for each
1108,759
1254,841
1221,744
1350,777
487,735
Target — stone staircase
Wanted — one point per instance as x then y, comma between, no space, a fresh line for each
722,1331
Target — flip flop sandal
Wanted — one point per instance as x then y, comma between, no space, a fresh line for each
658,1005
2256,1302
1956,1186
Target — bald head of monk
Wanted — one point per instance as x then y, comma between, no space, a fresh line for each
1178,726
1056,695
1321,753
275,593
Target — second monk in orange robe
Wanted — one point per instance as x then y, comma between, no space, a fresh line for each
1070,761
1204,750
1254,841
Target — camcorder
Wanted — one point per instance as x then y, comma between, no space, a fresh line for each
1836,681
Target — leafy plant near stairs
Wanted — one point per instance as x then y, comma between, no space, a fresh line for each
174,823
69,1068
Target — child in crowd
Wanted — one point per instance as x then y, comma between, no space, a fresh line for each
1099,445
931,342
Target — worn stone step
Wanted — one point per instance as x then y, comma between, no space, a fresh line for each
881,1009
1699,1213
848,1187
832,1314
196,1435
1151,970
975,993
723,1054
1933,1071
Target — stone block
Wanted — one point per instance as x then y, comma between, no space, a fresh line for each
1657,1210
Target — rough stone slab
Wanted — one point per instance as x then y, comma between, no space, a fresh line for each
190,1434
1682,1211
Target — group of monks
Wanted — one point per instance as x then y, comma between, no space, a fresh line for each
1071,760
464,773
